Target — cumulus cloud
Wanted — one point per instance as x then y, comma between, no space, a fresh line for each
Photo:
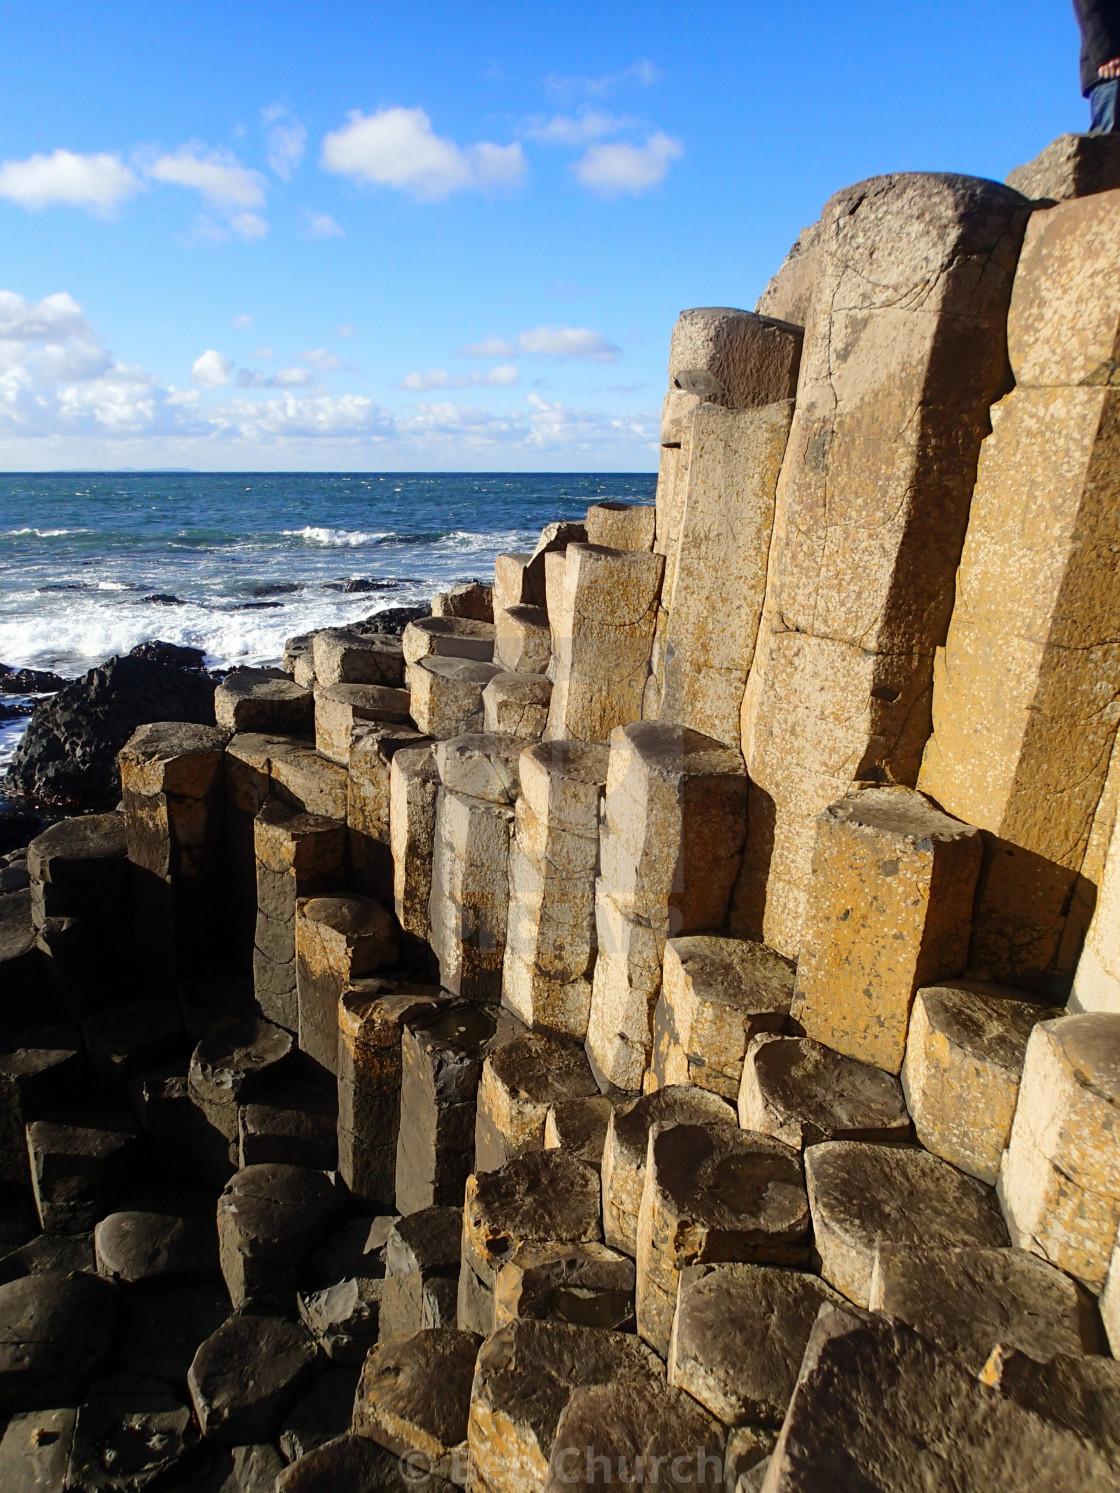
220,178
99,183
569,342
343,330
283,378
612,170
212,369
321,358
243,320
398,148
577,129
321,225
228,188
489,347
500,377
287,139
640,74
264,352
61,392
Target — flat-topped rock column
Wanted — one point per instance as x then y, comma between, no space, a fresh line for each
518,1085
298,855
263,700
341,710
441,1063
622,526
602,632
345,656
1022,750
173,792
526,1374
233,1063
670,848
904,352
79,869
964,1061
421,1267
447,694
470,893
369,804
713,609
550,948
627,1143
371,1019
542,1197
716,995
248,787
413,794
1059,1183
338,939
517,705
522,640
713,1192
892,888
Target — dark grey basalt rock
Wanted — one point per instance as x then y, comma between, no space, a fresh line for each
68,757
130,1431
269,1217
354,1464
141,1246
245,1375
56,1331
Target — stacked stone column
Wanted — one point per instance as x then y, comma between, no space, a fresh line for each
1021,748
905,349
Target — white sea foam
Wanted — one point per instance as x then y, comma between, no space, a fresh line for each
43,533
334,538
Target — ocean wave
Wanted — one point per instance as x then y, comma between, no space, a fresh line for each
335,538
43,533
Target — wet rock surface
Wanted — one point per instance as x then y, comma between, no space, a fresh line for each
68,756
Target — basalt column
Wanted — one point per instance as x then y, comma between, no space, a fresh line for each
1025,700
174,798
905,349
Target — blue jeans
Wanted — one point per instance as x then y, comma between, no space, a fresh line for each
1102,103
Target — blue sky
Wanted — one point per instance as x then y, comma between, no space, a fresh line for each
444,237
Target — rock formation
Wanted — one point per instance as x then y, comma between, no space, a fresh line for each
655,1019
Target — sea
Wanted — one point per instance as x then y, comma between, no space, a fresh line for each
235,562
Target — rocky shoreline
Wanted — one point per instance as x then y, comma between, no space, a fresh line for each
655,1019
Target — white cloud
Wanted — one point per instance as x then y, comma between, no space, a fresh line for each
249,226
324,415
65,402
611,170
99,183
578,129
320,358
489,347
569,342
287,140
501,377
398,148
243,320
211,369
224,184
264,352
283,378
640,74
343,330
321,225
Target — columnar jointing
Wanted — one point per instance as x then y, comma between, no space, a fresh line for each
602,1032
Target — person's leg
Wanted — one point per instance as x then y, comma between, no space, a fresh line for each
1103,103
